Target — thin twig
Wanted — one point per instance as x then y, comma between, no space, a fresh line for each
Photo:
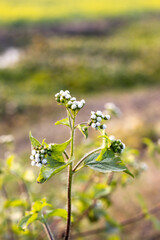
48,231
82,159
110,178
123,223
65,153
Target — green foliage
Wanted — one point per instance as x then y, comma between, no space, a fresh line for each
83,129
34,141
117,63
93,192
63,122
53,166
107,163
15,203
57,212
55,162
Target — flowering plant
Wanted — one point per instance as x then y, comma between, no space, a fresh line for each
53,158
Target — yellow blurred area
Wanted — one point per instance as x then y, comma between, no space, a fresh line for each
33,10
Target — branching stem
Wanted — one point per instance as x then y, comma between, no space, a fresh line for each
82,159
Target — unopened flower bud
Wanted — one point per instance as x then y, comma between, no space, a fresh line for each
103,126
99,119
32,157
33,163
74,106
93,125
44,161
93,116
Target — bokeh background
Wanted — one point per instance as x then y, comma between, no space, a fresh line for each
102,51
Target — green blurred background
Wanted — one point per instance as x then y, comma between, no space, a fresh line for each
102,51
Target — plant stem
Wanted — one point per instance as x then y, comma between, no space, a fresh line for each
48,231
87,155
70,175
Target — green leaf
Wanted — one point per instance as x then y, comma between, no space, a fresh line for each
23,222
33,218
57,212
34,141
38,205
83,129
108,163
103,151
15,203
64,121
129,173
59,148
51,169
10,160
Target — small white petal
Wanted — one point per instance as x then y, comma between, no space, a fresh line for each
123,145
112,137
93,125
83,101
74,106
61,98
107,116
37,155
99,119
61,92
68,92
33,163
32,157
69,103
93,116
44,161
99,113
64,94
80,105
42,151
57,95
98,124
104,126
33,152
92,113
67,96
73,99
50,146
39,164
76,102
37,160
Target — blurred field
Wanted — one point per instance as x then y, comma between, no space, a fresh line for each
42,10
122,58
102,51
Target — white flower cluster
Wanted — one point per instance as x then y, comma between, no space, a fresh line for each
39,156
65,98
96,119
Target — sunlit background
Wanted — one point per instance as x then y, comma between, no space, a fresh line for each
102,51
